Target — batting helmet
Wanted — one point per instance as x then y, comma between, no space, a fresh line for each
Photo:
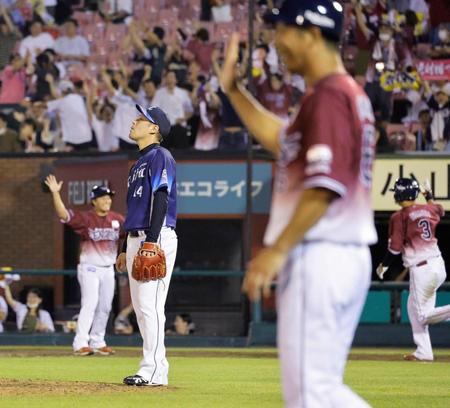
405,189
324,14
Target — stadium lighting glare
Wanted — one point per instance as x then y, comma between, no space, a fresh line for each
379,66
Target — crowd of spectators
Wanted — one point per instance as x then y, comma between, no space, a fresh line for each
71,75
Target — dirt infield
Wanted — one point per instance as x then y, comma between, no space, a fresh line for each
31,387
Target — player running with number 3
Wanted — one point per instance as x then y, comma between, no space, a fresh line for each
412,234
150,250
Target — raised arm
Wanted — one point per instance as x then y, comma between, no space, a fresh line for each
136,41
55,188
106,79
360,20
9,299
260,122
9,24
427,192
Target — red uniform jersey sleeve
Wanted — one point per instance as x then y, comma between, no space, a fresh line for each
327,132
396,233
439,210
78,222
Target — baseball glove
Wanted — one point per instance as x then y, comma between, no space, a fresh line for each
149,263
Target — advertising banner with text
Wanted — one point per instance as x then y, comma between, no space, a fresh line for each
386,171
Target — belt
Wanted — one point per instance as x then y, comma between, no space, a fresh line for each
137,233
422,263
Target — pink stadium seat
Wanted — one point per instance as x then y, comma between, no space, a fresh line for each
222,31
240,12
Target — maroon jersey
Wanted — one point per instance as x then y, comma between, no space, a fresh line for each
99,235
330,144
412,232
278,102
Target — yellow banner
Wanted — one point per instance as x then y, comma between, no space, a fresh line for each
386,171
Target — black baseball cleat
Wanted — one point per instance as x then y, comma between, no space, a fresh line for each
139,381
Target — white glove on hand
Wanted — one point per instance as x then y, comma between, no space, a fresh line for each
381,270
426,186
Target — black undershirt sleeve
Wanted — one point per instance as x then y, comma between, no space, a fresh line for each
159,211
389,258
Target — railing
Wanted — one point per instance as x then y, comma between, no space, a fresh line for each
73,272
392,287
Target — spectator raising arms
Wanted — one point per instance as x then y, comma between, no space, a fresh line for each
72,112
30,317
101,118
9,35
150,49
13,79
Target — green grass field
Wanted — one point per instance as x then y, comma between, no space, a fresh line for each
48,377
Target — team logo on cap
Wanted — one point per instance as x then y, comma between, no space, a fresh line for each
319,20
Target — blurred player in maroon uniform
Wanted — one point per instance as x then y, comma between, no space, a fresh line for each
100,230
321,221
412,234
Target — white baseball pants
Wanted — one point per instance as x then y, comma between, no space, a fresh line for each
423,283
149,300
321,293
97,292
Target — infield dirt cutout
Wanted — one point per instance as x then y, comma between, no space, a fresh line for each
31,387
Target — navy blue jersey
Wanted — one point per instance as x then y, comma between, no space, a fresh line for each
154,170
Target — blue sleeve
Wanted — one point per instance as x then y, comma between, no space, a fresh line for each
161,172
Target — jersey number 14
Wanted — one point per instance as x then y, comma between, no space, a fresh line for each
138,191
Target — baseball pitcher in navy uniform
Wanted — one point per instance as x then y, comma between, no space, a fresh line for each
150,222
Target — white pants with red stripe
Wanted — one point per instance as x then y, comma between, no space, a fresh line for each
321,293
423,282
97,292
149,300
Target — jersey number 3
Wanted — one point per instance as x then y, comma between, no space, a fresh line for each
138,192
426,229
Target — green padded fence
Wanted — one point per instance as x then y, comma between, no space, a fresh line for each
377,308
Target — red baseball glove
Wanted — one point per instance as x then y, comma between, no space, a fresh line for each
149,263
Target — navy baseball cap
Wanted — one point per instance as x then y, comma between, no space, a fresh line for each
157,116
100,191
326,14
